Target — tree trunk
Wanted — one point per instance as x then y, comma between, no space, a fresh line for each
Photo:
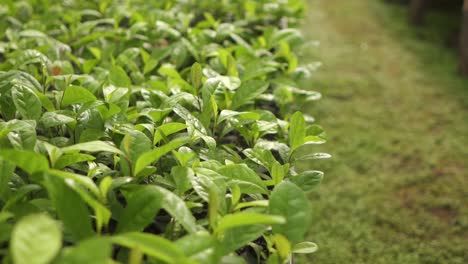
464,40
416,11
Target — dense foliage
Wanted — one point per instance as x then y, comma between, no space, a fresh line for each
153,132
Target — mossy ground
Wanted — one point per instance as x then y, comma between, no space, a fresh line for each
396,112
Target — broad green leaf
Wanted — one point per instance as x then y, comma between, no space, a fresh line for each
52,119
150,65
119,78
133,145
176,207
152,245
77,95
167,130
247,92
28,161
297,131
22,134
194,126
93,146
27,102
237,237
102,214
95,250
36,239
305,248
84,181
244,177
154,155
308,179
288,200
181,176
72,158
69,207
141,208
248,218
236,116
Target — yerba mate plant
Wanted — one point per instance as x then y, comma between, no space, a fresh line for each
153,132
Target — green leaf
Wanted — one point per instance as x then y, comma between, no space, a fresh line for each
84,181
93,146
27,103
194,126
142,206
77,95
308,179
95,250
176,207
288,200
305,248
133,145
297,131
182,176
151,245
28,161
196,76
69,207
244,177
154,155
6,172
195,244
150,65
237,237
102,214
247,218
167,129
36,239
318,155
119,78
247,92
231,66
72,158
52,119
282,245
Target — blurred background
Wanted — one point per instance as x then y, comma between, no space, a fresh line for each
395,108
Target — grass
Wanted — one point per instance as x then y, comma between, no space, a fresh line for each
396,112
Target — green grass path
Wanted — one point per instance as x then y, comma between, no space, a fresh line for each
396,112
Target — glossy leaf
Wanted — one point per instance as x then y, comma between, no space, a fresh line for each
77,95
248,218
27,102
308,179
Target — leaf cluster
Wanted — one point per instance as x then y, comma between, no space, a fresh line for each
153,132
